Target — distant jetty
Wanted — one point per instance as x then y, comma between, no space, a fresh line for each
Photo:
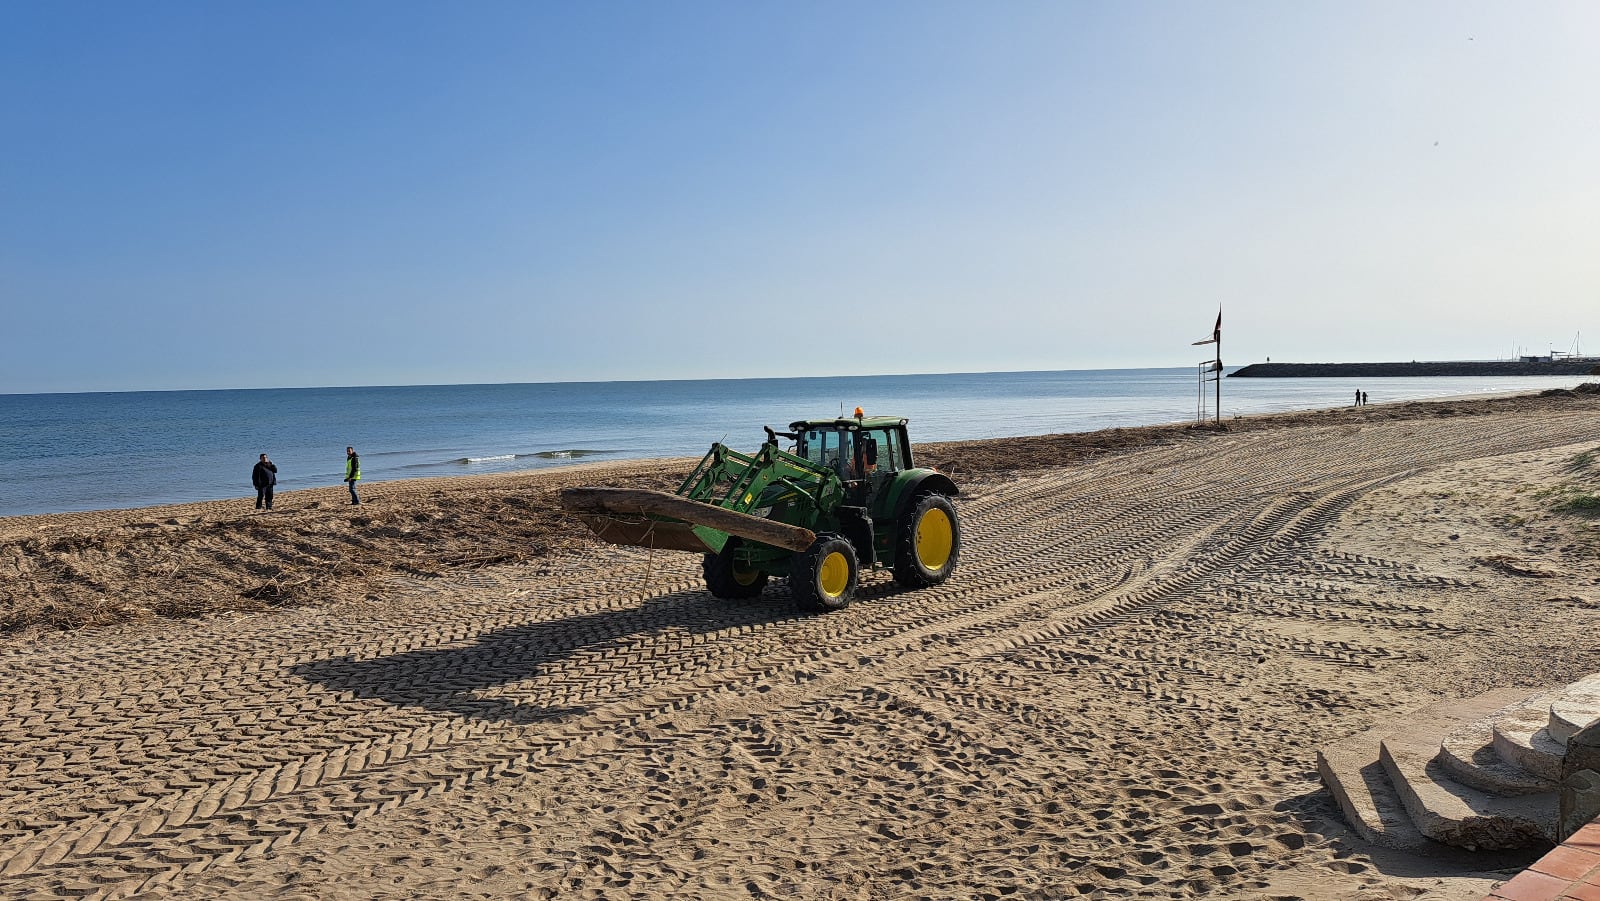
1583,366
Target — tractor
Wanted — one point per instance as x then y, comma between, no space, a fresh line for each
845,496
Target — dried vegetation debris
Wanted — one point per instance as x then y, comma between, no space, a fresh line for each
1585,388
1512,566
251,562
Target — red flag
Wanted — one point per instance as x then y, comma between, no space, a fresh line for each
1216,332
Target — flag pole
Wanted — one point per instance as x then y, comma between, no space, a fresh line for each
1218,376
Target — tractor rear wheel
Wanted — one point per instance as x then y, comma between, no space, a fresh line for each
928,543
824,576
727,578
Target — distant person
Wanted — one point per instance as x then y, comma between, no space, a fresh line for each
352,472
264,477
1363,398
1358,399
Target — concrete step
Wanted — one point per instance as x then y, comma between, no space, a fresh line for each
1355,777
1456,814
1353,770
1468,756
1522,739
1445,810
1576,708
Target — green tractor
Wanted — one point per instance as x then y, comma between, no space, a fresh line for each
844,497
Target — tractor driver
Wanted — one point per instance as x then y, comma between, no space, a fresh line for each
845,462
865,462
863,466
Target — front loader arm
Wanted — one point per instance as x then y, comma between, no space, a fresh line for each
736,481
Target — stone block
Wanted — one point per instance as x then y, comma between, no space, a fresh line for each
1579,801
1582,752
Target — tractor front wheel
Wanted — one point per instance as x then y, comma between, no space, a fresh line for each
824,576
727,578
929,542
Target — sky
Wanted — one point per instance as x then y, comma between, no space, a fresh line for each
212,195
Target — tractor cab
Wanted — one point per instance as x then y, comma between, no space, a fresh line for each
865,452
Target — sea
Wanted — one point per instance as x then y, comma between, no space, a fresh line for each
95,451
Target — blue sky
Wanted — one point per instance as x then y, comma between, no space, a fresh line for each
198,195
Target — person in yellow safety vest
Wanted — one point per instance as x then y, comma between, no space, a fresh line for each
352,472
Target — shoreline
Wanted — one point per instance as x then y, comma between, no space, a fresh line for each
328,495
335,495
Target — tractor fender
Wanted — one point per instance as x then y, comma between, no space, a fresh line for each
914,482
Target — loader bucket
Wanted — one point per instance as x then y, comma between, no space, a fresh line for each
639,531
645,518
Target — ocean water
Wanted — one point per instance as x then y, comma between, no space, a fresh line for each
63,452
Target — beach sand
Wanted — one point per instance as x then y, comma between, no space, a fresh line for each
1120,693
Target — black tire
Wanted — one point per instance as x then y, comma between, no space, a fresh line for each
928,542
825,576
726,579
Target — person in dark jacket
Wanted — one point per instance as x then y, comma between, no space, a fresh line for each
264,477
352,472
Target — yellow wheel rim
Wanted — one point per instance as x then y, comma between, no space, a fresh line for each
834,576
746,577
935,538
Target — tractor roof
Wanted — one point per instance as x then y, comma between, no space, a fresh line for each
849,422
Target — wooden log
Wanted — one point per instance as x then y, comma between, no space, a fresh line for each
660,503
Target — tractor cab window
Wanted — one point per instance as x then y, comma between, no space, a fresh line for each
826,447
855,454
879,458
880,450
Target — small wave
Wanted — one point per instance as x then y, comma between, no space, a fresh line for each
484,459
570,454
